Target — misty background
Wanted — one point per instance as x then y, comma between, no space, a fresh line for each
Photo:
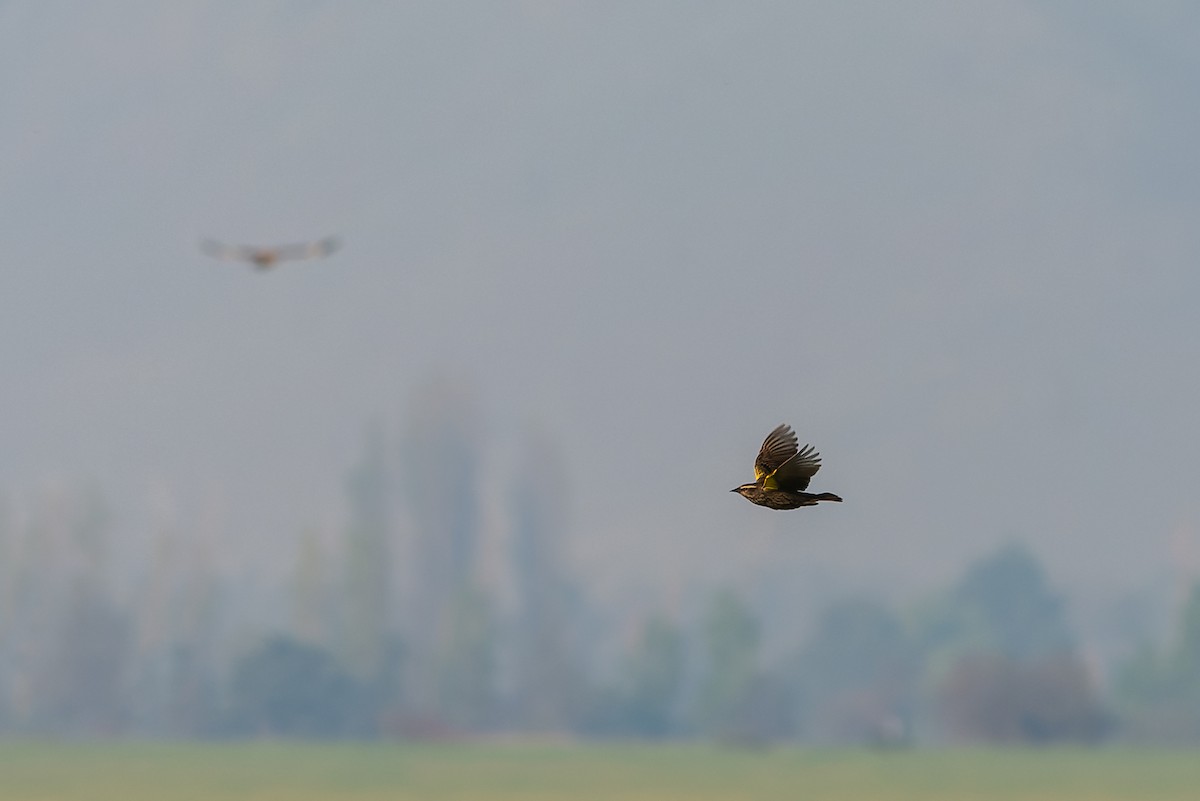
593,253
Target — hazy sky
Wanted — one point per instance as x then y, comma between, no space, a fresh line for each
955,244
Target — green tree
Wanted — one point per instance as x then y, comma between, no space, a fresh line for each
998,650
856,674
441,460
731,640
467,662
1002,605
1158,692
1185,657
1008,597
367,592
654,674
83,686
8,570
548,682
312,591
288,687
80,647
440,457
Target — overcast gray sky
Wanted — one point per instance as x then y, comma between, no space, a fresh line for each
953,243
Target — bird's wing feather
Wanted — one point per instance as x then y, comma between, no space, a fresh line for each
219,250
795,472
307,250
300,250
779,446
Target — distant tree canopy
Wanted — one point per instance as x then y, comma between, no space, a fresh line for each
81,686
287,687
856,674
1003,604
1185,660
466,661
653,678
1158,691
399,627
1009,593
367,587
731,638
857,642
1002,665
547,677
644,700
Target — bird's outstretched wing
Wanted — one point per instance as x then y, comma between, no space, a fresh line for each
265,256
779,446
795,472
308,250
219,250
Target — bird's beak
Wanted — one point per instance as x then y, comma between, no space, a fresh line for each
735,489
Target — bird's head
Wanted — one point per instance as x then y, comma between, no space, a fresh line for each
743,489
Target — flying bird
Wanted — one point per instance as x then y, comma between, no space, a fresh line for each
264,258
781,473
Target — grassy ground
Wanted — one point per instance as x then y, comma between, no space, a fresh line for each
262,771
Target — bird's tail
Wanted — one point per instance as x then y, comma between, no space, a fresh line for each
828,496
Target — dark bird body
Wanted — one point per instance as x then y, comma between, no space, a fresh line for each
782,472
264,258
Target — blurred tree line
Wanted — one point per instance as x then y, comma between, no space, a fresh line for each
1158,690
394,629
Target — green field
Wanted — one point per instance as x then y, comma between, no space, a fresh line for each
265,770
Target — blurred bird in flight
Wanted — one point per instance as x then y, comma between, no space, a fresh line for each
264,258
781,473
